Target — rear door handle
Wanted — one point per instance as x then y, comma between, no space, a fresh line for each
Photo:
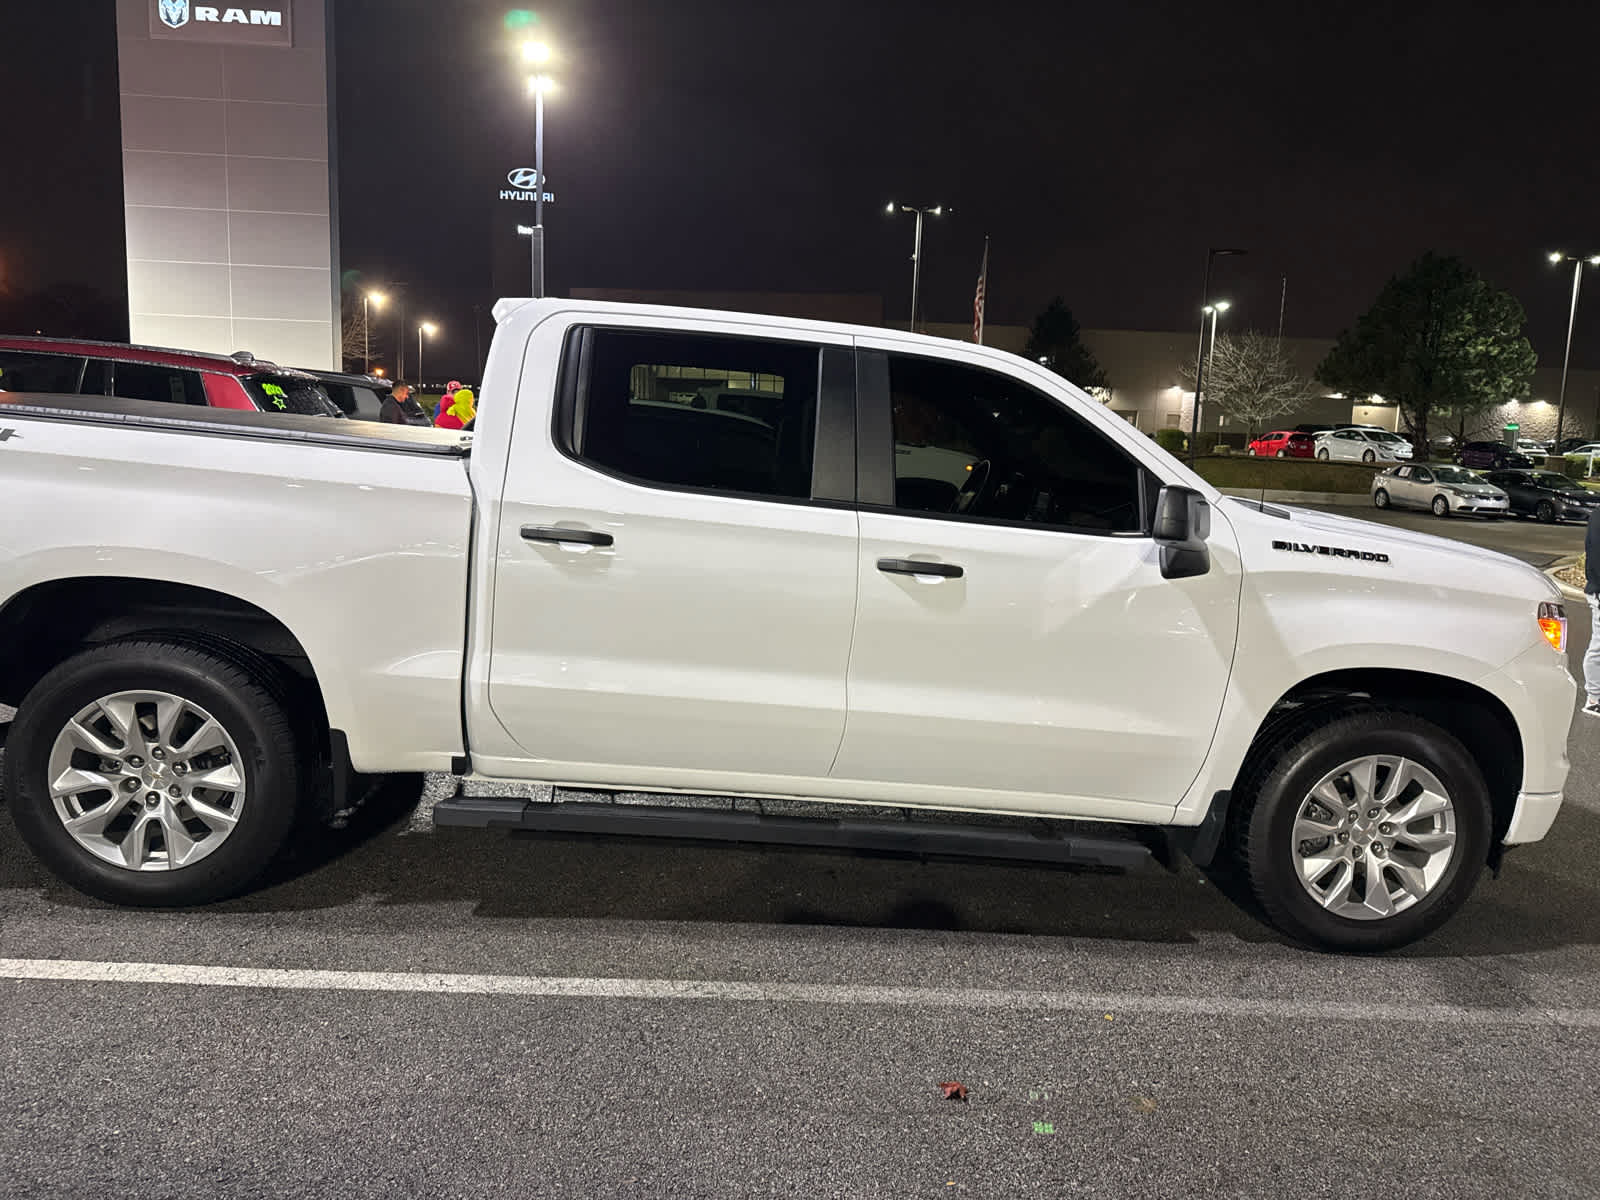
912,566
553,533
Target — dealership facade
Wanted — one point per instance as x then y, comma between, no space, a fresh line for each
228,167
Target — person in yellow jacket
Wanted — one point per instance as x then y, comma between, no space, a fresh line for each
458,409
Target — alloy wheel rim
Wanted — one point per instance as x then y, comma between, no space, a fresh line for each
1374,837
146,781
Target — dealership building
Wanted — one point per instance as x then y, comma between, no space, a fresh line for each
228,169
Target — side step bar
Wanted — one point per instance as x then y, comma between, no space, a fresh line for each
726,825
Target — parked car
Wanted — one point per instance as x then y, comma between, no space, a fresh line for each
738,605
1314,429
1533,449
1546,495
1568,444
1444,490
1585,448
1350,444
360,397
237,381
1497,456
1288,443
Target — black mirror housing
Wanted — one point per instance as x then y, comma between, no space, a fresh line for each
1183,522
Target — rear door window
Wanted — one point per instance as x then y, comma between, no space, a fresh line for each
283,392
27,371
151,381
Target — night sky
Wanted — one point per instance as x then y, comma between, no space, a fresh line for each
752,146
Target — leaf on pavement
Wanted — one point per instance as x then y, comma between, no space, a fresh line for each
954,1091
1144,1104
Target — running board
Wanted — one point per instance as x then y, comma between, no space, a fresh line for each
1015,842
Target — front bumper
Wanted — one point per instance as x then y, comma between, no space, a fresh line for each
1479,504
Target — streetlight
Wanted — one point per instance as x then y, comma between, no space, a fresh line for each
916,248
538,54
429,328
1558,257
366,334
1199,354
1212,311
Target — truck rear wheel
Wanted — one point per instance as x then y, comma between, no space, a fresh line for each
153,773
1363,832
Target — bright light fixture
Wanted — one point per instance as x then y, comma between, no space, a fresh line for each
429,328
376,298
889,208
1224,305
1555,256
1594,260
939,212
540,83
535,52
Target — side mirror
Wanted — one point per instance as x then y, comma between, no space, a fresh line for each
1183,522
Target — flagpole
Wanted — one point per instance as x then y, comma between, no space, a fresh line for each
981,297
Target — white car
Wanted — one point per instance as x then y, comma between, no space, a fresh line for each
1443,489
1362,445
646,596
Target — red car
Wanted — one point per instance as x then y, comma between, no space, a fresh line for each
40,364
1285,443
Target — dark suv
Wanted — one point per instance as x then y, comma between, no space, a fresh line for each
1496,456
358,396
242,381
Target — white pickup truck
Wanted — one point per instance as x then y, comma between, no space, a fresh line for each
892,577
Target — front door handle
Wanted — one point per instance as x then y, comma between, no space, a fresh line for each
554,533
912,566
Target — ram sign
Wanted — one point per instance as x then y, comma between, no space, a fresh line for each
267,24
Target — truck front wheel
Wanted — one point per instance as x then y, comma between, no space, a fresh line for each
1365,832
151,773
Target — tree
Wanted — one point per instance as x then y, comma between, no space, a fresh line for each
353,334
1438,340
1055,341
1251,380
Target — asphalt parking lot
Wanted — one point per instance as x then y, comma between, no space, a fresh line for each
1520,537
409,1012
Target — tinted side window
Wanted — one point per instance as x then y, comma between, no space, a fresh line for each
26,371
685,410
149,381
983,446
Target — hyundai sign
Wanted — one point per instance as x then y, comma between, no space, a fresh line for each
268,24
523,182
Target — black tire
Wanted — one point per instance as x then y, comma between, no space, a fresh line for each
1380,499
249,709
1251,452
1282,454
1546,512
1440,506
1323,455
1276,783
1368,456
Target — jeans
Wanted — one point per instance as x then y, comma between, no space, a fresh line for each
1591,657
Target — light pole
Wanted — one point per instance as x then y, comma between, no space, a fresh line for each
429,328
916,248
1199,354
1205,355
538,54
366,332
1557,257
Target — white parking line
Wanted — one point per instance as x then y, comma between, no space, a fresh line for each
600,988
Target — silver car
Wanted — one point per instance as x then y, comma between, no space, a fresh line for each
1444,489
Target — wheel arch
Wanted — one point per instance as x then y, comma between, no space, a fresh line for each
1476,717
50,621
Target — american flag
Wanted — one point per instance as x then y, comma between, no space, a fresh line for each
978,296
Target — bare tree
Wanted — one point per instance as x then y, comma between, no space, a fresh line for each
1251,380
353,344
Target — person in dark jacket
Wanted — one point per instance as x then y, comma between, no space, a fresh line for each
400,409
1591,588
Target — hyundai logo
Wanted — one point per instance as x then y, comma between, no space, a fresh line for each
523,178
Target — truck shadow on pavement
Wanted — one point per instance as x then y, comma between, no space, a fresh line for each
1545,898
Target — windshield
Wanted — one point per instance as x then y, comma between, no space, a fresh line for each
291,394
1454,475
1560,483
